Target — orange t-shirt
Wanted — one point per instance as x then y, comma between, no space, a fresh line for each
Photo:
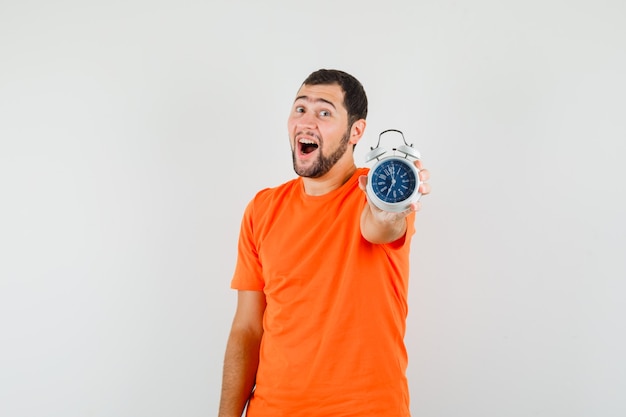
333,342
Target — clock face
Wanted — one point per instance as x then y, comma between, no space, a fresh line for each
393,184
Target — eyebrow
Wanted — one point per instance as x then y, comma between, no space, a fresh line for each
307,98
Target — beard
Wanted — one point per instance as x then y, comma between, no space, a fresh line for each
323,163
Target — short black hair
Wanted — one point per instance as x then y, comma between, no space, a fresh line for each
354,97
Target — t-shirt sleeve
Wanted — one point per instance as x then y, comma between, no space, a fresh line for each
248,270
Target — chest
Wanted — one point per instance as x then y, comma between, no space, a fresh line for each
301,239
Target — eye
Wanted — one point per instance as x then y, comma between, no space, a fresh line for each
299,109
324,113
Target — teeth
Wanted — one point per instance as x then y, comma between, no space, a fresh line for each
307,142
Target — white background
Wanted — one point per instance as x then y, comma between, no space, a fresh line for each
133,133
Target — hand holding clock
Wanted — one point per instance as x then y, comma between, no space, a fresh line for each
379,226
424,189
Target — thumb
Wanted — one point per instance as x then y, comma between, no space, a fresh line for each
362,182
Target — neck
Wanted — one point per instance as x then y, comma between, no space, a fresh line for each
332,180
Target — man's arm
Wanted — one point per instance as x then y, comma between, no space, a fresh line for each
378,226
242,353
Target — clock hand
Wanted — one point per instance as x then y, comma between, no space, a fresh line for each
393,180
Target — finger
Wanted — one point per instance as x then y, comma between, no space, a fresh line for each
415,206
424,175
424,188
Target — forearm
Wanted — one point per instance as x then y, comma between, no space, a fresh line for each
240,365
379,230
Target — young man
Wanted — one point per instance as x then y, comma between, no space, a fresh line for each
322,277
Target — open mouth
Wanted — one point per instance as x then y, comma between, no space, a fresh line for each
307,146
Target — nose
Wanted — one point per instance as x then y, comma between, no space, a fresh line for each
306,120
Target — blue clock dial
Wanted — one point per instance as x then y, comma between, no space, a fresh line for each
393,181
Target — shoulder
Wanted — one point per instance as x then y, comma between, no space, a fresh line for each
268,194
267,199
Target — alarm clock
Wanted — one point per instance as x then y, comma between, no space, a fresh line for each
393,182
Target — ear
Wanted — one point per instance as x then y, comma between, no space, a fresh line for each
357,130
